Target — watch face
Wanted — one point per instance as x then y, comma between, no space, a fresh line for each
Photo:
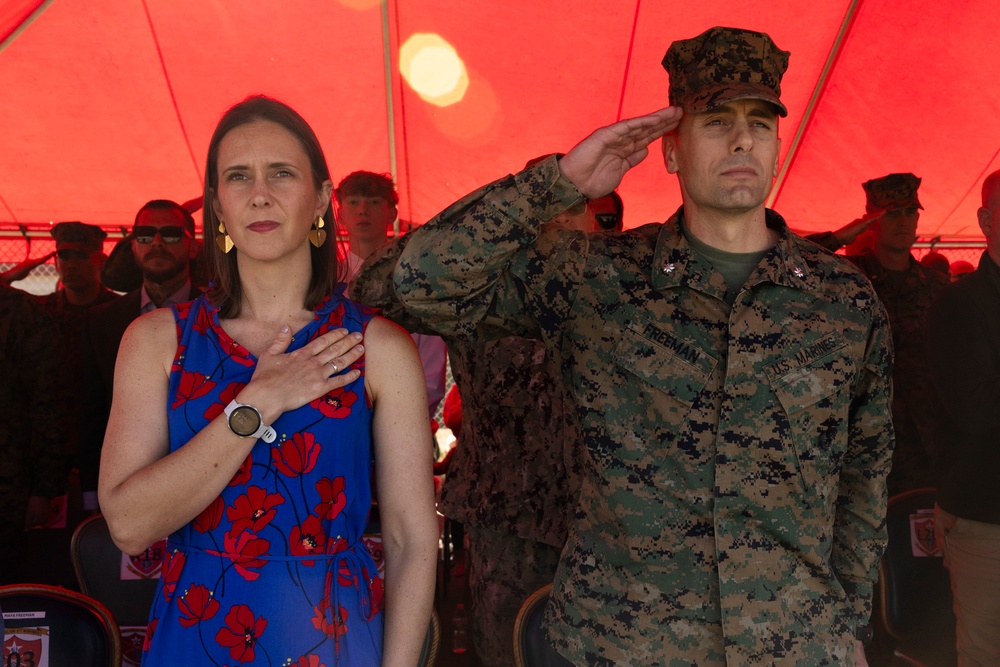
244,421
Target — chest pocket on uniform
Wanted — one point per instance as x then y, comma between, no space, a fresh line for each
675,366
811,373
812,384
644,395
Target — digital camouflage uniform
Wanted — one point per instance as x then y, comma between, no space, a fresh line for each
32,458
906,296
732,503
512,479
67,334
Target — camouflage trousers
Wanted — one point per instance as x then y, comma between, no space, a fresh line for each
503,571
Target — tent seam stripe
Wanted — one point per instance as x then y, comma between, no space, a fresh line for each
7,207
24,24
818,90
401,148
173,97
628,60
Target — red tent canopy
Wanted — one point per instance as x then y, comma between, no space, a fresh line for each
106,105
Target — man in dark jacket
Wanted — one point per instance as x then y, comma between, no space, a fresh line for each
163,244
963,336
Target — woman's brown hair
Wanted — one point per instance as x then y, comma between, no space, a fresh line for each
226,289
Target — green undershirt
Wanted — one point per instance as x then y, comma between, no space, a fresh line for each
735,267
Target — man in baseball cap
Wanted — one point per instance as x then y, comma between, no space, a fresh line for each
906,288
725,64
79,258
730,378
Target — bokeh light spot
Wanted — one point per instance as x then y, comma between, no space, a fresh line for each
433,69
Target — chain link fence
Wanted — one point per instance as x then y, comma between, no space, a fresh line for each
15,248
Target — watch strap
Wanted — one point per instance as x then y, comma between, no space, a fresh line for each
264,431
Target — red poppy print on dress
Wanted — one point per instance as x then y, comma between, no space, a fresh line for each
245,553
378,592
227,395
326,622
296,456
307,661
333,320
241,633
331,626
332,500
170,572
242,475
203,321
253,510
336,404
183,310
346,575
196,605
150,629
178,364
238,354
192,385
307,539
210,516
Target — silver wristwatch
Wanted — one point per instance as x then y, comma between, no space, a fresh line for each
245,421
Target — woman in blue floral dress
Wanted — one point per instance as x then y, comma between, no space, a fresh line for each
245,426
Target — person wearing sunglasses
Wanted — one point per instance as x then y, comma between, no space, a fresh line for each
163,245
609,212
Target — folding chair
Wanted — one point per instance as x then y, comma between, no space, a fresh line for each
432,642
98,565
65,628
914,587
531,646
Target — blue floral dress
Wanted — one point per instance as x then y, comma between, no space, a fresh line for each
274,571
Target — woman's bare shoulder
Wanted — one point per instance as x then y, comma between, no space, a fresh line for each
152,333
390,355
381,332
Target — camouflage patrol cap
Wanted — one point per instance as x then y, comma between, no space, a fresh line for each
78,236
725,64
892,192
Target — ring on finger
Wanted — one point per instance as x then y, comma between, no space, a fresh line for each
336,368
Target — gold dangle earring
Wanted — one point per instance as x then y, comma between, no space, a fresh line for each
225,243
317,235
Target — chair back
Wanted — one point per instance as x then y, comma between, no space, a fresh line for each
531,646
99,571
914,585
432,642
50,625
373,542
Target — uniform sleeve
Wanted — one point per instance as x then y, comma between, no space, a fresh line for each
482,268
859,531
826,240
41,357
93,414
373,286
